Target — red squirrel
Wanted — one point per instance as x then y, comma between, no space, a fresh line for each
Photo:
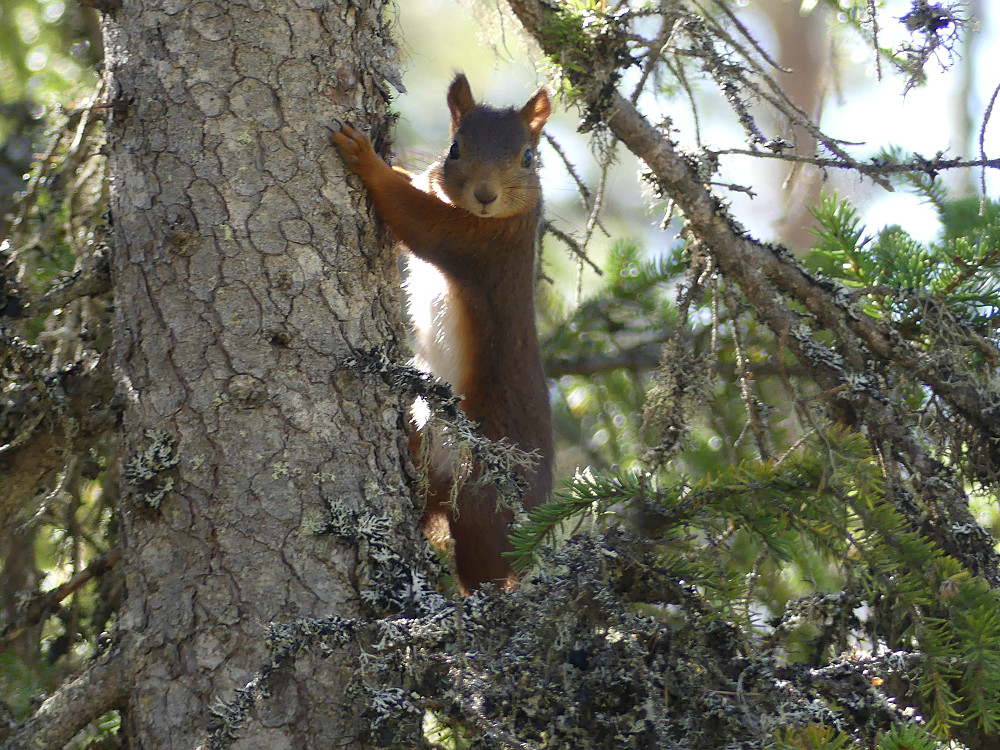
471,234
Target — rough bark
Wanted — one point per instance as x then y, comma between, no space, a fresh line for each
244,276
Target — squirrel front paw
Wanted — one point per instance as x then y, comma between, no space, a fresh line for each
354,146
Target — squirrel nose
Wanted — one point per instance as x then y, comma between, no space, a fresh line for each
485,195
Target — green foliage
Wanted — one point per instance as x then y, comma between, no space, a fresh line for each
101,733
46,60
633,298
582,30
609,342
813,737
976,619
45,51
21,686
582,495
952,620
777,503
823,499
943,296
908,737
899,277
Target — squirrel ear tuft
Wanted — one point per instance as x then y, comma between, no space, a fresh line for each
460,100
536,113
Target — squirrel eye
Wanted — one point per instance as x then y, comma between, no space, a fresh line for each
453,151
527,159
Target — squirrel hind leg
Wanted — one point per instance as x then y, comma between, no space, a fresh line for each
480,565
480,540
435,519
473,542
476,536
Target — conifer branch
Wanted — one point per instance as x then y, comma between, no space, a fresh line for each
101,688
776,285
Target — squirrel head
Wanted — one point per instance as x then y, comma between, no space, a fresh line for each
491,168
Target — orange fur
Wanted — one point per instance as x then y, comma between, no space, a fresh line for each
481,238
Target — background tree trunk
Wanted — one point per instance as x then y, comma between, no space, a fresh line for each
805,50
244,275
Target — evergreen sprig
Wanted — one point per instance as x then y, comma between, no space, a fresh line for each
582,495
901,278
908,737
812,737
634,293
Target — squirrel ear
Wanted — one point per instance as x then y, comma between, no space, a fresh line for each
460,100
536,113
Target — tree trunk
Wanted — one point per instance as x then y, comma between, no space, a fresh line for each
245,273
803,39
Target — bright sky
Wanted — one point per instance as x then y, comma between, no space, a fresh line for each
928,119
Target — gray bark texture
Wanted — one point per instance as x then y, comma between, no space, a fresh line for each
245,273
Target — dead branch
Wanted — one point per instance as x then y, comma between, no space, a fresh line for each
49,602
75,704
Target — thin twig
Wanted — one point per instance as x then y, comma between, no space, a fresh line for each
574,246
84,283
681,76
756,411
774,94
873,20
982,148
580,184
49,602
724,7
917,164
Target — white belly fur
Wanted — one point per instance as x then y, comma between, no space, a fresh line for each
433,317
434,321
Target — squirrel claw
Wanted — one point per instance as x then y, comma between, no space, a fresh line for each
353,145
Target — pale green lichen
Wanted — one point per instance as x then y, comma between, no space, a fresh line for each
144,469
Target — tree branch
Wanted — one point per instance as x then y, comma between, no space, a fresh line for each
72,412
48,602
75,704
87,282
774,283
876,166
